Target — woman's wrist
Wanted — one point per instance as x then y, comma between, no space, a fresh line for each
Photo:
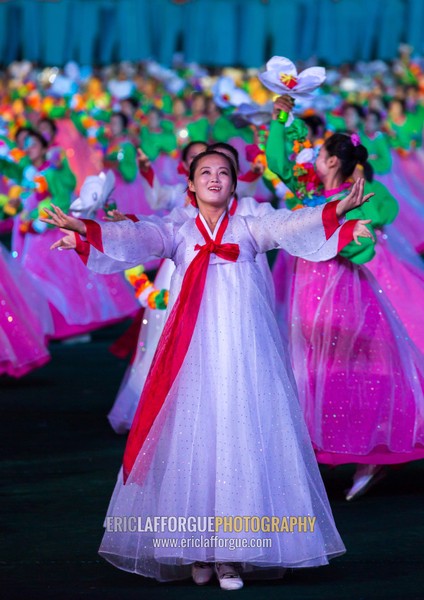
81,227
341,209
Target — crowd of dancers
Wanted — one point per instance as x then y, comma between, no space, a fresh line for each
117,156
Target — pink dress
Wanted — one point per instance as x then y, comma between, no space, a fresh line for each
25,321
405,182
80,301
83,159
360,378
402,281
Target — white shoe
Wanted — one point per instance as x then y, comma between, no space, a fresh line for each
365,477
201,572
228,576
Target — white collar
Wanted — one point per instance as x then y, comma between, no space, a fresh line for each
215,231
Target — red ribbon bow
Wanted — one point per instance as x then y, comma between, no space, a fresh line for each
175,340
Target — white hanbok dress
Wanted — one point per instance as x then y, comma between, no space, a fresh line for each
122,413
230,438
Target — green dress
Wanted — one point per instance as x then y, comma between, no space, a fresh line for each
381,209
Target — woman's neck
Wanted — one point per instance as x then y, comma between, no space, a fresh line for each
211,214
332,181
38,162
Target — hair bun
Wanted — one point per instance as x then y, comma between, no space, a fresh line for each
361,154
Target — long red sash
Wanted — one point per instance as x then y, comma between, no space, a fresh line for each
175,340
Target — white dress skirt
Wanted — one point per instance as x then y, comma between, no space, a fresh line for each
123,410
230,438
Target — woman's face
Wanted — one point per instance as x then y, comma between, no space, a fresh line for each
34,149
395,110
321,163
153,119
178,108
371,123
211,109
198,105
116,125
212,182
351,118
46,131
127,108
21,139
193,151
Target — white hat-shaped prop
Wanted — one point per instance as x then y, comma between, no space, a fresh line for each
94,193
226,94
281,77
252,114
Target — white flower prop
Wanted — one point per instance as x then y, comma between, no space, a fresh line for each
20,70
120,89
226,94
94,193
72,70
170,79
281,77
63,86
305,156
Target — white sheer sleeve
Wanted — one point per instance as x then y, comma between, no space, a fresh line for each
111,247
312,233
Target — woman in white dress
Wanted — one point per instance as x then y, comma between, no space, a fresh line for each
219,431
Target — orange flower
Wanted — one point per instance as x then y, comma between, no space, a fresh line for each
17,154
15,192
41,182
296,146
151,299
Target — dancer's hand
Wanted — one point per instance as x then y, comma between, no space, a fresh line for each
361,230
143,161
282,103
354,199
69,242
59,219
115,215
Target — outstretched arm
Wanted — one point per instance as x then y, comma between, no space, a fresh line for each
126,242
312,233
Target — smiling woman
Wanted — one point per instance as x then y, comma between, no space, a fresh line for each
213,180
218,430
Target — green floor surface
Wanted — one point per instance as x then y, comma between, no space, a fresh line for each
60,460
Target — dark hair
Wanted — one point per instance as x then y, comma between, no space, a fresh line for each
124,119
208,152
187,147
132,101
225,146
315,123
368,172
50,123
376,113
357,107
23,129
341,145
37,135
